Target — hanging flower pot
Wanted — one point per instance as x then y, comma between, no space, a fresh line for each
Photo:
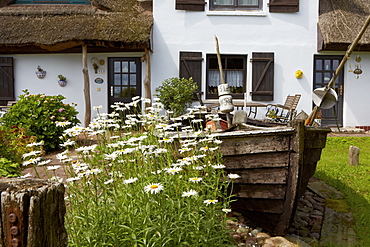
40,73
62,81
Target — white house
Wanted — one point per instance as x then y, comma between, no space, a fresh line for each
291,35
135,45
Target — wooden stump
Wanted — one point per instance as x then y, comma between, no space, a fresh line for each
353,155
32,213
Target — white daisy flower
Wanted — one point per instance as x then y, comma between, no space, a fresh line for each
189,193
219,166
226,210
233,176
93,171
57,179
62,124
97,107
173,170
26,175
204,149
33,153
210,201
199,168
52,168
72,179
195,180
153,188
111,156
67,143
31,161
109,181
130,180
44,162
35,144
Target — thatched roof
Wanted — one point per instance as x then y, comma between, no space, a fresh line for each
339,23
116,24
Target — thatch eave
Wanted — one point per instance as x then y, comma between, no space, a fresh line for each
340,22
61,27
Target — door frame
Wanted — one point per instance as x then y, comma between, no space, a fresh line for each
324,67
113,86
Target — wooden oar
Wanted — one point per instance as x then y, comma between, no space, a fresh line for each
228,117
314,112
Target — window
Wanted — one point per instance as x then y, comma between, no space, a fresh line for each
51,2
235,4
235,72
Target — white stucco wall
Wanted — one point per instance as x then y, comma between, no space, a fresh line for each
70,66
356,93
291,36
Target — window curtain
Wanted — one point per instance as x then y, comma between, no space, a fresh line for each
233,78
248,2
223,2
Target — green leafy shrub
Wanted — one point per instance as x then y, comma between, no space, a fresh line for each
13,143
176,94
38,114
9,169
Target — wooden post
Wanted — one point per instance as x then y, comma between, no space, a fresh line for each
147,84
353,155
85,72
228,117
32,213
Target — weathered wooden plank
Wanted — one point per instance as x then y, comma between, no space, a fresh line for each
293,179
262,160
266,191
315,139
258,205
32,213
262,176
266,144
312,155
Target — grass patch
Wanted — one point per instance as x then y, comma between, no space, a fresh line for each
352,181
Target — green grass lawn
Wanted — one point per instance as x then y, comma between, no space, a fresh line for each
352,181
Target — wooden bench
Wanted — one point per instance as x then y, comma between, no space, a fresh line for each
4,108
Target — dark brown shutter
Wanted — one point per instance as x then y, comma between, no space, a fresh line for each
195,5
6,80
191,66
284,6
262,76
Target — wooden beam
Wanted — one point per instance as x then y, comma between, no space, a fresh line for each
147,80
87,97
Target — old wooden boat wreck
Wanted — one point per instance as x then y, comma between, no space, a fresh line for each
275,165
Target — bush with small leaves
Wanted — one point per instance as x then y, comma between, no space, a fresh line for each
39,115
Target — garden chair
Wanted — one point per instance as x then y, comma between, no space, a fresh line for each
283,113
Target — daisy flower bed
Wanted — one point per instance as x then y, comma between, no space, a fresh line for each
138,186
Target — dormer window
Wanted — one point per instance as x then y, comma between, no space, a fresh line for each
51,2
235,4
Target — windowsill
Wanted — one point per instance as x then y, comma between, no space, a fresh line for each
259,13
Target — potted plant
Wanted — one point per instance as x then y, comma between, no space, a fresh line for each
40,73
176,94
62,81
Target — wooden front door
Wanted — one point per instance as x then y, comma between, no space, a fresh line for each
124,79
324,69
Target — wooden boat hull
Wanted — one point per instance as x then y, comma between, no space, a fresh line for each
275,166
